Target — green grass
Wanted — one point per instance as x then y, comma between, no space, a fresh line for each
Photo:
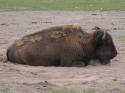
74,5
3,90
65,90
73,90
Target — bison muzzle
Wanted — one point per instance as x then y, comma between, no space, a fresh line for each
62,46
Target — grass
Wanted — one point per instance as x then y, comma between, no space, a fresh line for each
65,90
3,90
73,5
72,90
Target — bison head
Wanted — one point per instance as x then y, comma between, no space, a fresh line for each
104,46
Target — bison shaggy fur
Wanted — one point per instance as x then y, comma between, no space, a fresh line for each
62,45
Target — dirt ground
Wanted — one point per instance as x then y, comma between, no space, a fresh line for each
31,79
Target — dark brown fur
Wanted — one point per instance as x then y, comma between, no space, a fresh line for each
60,46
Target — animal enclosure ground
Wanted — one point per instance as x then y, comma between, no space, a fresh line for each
15,78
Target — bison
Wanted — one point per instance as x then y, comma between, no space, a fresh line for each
62,46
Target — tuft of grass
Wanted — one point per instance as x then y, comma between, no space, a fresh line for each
3,90
89,91
74,5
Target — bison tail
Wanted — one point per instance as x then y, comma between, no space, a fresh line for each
9,54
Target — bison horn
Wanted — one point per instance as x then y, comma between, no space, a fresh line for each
96,28
104,35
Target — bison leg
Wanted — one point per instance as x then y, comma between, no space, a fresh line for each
104,62
86,63
66,61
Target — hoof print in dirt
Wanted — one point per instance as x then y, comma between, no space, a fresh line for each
34,22
3,24
94,14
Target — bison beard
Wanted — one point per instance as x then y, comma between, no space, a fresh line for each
62,46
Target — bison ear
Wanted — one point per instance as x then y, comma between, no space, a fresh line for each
99,36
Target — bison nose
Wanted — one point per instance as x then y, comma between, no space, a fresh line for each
114,54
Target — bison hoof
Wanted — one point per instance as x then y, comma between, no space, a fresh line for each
105,62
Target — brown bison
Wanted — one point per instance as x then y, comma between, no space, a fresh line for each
62,46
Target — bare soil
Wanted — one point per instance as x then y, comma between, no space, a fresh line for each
18,78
